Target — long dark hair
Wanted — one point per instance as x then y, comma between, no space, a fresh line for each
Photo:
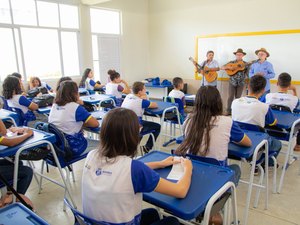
11,85
208,105
84,77
119,133
67,92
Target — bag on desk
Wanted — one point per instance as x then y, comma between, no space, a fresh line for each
35,91
43,100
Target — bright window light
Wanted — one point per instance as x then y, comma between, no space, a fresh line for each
48,14
24,12
105,21
41,52
4,12
69,16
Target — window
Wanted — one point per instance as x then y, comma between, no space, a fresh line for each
7,53
68,16
70,54
40,38
4,12
48,14
105,26
24,12
105,21
41,52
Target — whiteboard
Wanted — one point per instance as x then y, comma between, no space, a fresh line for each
284,49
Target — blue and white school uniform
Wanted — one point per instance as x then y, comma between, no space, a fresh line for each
250,110
19,102
69,119
89,84
45,85
223,131
177,94
136,104
112,188
281,98
114,89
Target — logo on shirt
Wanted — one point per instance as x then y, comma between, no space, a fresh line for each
99,172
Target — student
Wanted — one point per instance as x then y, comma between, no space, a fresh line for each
212,65
250,110
263,68
138,102
116,86
68,116
35,82
113,182
87,81
176,92
12,92
6,167
282,97
19,76
211,142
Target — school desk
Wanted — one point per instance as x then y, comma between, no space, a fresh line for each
208,182
157,91
44,110
17,213
83,91
190,99
290,122
259,139
161,110
97,99
6,115
39,139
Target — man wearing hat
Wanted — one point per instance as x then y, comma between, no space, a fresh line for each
236,81
264,68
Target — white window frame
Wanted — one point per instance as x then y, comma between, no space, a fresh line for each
59,29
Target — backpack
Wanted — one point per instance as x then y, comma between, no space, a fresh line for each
35,91
61,146
43,100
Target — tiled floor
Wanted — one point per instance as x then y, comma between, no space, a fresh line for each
284,208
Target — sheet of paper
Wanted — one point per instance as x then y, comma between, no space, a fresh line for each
176,172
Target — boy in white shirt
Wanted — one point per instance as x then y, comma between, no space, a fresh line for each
250,110
176,92
283,98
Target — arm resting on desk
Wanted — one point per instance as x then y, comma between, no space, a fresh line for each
246,141
179,189
12,141
91,122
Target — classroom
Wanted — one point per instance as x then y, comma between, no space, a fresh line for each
85,76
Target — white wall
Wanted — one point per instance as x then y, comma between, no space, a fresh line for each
173,26
135,37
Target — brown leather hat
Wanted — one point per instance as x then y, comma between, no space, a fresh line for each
239,50
262,50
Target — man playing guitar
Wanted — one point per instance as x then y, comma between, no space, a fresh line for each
237,79
209,65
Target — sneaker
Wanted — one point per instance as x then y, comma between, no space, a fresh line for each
256,171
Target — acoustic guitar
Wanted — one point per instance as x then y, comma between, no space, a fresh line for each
233,68
210,76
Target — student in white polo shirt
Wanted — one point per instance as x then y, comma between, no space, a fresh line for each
282,97
116,86
87,81
138,102
176,92
208,132
250,110
69,116
113,182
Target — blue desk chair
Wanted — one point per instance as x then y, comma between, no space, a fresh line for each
173,119
4,102
261,156
80,218
24,118
63,151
